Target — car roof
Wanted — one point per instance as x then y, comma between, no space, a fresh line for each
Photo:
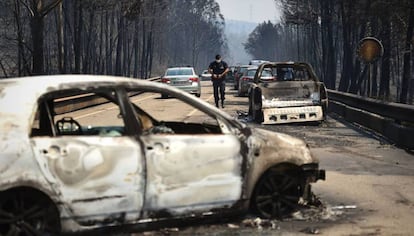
36,85
178,68
19,96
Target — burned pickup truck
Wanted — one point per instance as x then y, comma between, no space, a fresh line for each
295,95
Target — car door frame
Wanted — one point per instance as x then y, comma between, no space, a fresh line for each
124,206
158,147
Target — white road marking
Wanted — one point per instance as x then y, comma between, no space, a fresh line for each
112,107
195,110
145,98
134,100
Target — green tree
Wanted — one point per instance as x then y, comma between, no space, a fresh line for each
261,43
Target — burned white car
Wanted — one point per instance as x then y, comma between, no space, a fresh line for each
84,152
295,95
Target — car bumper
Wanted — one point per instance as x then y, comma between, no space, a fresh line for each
292,114
312,172
190,89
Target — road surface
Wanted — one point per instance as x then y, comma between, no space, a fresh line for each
369,188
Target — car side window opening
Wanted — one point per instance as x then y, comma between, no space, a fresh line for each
78,113
171,116
288,73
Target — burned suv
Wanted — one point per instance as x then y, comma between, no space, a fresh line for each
295,95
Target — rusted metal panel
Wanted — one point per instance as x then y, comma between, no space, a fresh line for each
94,176
268,149
190,173
292,114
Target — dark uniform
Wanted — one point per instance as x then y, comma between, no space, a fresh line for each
218,69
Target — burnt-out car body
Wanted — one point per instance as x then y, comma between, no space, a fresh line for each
295,95
64,168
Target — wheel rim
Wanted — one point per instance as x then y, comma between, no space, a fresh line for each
25,214
276,195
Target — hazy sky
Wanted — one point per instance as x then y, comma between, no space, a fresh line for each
249,10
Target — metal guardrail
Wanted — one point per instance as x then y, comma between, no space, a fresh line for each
396,111
392,120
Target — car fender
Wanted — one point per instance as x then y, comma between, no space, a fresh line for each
268,149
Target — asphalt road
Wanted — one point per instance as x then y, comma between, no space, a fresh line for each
369,188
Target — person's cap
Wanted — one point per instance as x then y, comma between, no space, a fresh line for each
218,56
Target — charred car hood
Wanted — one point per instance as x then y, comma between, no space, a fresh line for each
268,146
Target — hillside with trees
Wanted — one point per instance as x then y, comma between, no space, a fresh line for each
137,38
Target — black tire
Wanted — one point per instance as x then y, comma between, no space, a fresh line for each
163,96
27,213
239,92
256,105
277,194
198,95
258,116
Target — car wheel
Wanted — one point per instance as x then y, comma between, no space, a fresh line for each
277,194
258,116
256,105
198,95
27,213
239,92
164,96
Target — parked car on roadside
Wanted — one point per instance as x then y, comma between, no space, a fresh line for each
85,152
296,94
257,62
205,75
238,71
247,78
230,74
183,78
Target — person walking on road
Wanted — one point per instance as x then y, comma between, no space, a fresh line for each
218,69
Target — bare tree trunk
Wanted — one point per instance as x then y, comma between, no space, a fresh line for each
101,60
136,49
374,86
59,30
88,58
3,69
38,11
143,62
37,26
110,41
328,49
67,52
357,78
118,66
78,28
347,51
407,60
21,61
384,91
